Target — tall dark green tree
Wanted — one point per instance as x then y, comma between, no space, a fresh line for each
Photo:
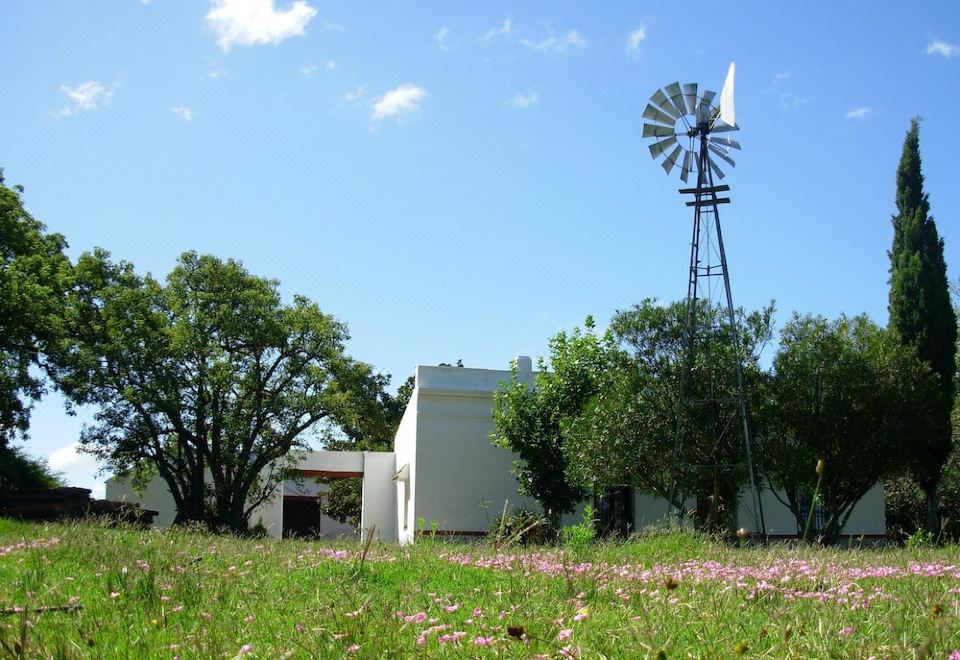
921,313
34,274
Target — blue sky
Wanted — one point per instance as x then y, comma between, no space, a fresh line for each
464,180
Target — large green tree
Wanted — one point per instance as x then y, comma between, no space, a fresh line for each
848,393
625,433
921,312
34,273
529,416
209,373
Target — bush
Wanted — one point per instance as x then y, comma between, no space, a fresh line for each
521,526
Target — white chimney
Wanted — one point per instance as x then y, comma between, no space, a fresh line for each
524,364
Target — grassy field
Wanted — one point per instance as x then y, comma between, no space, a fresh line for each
89,591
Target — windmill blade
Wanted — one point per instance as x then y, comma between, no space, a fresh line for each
663,104
672,159
685,170
707,97
721,154
716,170
658,148
727,113
655,130
656,115
690,98
720,127
676,97
726,142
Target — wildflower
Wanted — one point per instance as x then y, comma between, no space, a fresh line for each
845,631
483,641
249,618
566,633
451,608
581,614
114,594
955,655
246,648
353,648
477,611
820,466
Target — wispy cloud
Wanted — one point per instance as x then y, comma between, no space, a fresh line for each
525,100
251,22
942,48
310,69
791,100
504,30
571,39
355,95
403,101
441,37
860,113
635,39
87,96
185,113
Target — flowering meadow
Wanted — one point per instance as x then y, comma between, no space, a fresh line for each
85,590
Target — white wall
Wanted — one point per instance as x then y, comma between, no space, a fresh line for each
156,496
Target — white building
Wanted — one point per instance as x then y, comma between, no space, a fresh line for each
445,476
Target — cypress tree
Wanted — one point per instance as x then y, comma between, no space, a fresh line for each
920,310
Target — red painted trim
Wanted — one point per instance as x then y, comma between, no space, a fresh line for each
327,474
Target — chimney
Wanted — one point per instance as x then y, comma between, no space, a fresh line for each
524,364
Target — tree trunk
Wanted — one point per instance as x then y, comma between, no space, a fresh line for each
932,525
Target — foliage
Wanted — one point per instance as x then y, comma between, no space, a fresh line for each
921,312
34,273
178,592
522,527
580,537
207,373
529,416
625,434
848,393
19,471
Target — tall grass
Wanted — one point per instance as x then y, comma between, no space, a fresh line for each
128,593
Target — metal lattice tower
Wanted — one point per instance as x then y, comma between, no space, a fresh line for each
712,392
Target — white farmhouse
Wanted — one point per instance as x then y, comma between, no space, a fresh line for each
445,477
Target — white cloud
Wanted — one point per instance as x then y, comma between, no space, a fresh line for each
791,100
185,113
860,113
557,45
399,102
635,39
89,95
525,100
503,31
355,95
307,70
78,468
249,22
780,77
441,37
331,65
937,47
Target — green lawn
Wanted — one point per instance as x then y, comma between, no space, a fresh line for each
189,594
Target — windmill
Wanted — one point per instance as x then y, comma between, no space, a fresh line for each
690,134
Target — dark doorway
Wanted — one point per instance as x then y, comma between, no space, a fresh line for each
301,516
613,508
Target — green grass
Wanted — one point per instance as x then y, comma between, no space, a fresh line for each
191,594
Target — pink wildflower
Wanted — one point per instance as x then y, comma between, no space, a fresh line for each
483,641
566,633
845,631
246,648
451,608
955,655
353,648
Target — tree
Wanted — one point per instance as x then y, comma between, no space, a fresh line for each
625,433
19,471
34,274
921,313
848,393
529,417
210,379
